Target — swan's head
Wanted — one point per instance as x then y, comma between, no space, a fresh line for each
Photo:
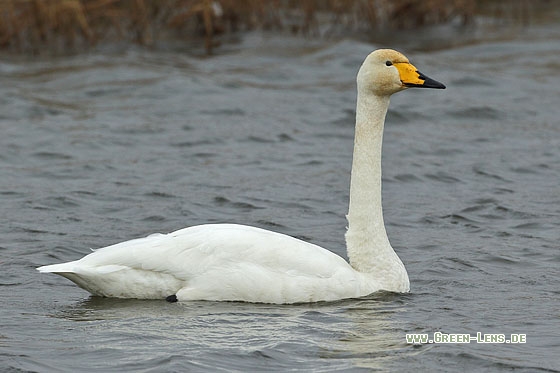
386,71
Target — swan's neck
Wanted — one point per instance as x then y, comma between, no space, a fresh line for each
368,246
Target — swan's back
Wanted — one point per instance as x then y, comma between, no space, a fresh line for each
215,262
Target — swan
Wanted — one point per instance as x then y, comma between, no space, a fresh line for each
230,262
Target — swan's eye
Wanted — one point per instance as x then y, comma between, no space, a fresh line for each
388,63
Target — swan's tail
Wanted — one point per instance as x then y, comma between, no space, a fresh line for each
58,268
72,272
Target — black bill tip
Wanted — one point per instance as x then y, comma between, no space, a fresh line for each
428,82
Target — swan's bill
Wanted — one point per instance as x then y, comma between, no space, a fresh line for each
411,77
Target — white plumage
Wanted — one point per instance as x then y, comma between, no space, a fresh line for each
216,262
229,262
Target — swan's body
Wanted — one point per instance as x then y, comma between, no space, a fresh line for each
217,262
241,263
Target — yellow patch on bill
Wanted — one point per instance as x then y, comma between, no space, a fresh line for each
408,73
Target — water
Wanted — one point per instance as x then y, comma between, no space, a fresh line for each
101,148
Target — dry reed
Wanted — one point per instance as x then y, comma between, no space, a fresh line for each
61,25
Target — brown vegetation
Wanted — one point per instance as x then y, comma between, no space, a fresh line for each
54,25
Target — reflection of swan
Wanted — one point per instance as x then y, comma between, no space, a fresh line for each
235,262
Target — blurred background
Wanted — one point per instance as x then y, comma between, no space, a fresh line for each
66,26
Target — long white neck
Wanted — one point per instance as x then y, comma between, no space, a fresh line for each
367,243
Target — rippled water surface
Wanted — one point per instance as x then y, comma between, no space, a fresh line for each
100,148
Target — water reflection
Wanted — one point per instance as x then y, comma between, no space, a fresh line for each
363,332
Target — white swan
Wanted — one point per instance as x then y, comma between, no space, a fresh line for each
229,262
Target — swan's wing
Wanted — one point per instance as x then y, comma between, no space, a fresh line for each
217,261
235,262
190,251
